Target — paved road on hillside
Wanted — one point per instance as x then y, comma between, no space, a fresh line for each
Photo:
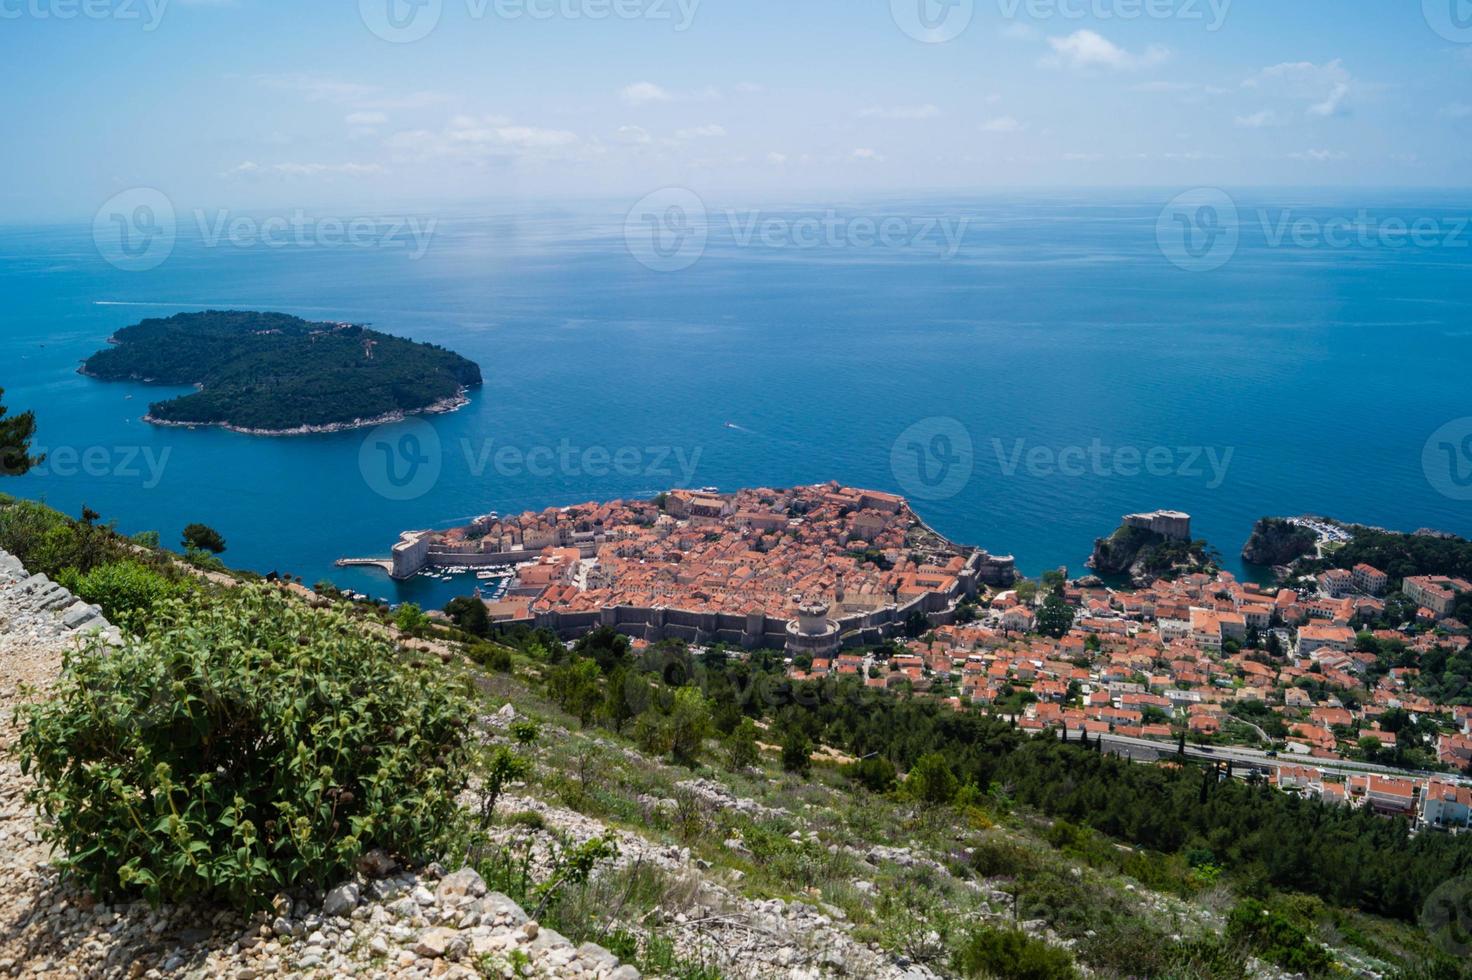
1146,750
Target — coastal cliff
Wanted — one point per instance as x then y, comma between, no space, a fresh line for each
1143,555
1277,541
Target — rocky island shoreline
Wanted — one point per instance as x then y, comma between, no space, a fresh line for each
442,407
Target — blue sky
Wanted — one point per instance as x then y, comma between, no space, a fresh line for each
275,103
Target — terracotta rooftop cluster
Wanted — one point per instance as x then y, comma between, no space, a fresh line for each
1145,663
761,550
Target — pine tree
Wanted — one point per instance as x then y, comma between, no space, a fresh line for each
16,434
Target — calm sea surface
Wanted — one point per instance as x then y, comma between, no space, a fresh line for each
1091,375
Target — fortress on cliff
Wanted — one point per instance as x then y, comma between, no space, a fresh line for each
1170,524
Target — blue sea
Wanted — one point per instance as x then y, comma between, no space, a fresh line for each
1055,363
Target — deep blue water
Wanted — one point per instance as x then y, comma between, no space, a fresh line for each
1323,370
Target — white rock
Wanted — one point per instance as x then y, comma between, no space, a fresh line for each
341,900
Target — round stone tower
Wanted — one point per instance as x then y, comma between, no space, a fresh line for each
812,632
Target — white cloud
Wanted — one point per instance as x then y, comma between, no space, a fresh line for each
315,88
366,118
1331,105
1324,87
777,158
642,93
318,89
1317,156
1086,49
319,169
1259,120
533,137
864,153
409,100
252,169
1164,87
499,131
648,93
475,129
1001,124
633,135
926,111
749,88
701,132
481,138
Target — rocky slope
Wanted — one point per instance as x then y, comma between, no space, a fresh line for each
718,876
386,923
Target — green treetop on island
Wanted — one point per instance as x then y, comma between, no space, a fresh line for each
270,372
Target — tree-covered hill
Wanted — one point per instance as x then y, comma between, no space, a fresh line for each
272,372
1400,555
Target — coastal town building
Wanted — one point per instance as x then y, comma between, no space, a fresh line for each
806,569
1437,593
1226,663
1368,578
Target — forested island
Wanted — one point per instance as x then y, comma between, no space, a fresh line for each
276,374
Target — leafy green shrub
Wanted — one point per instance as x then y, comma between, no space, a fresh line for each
525,732
499,767
1011,954
742,750
243,745
1277,938
877,774
931,781
492,657
1131,947
575,689
530,819
797,753
126,590
50,542
567,871
994,858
